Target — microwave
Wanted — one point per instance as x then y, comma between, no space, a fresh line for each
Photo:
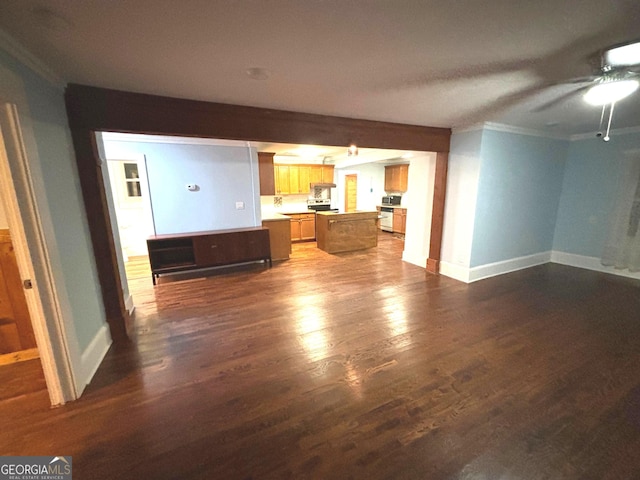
391,200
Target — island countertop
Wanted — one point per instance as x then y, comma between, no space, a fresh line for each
345,232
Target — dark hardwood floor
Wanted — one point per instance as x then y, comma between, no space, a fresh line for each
358,366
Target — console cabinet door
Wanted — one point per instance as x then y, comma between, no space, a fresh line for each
217,249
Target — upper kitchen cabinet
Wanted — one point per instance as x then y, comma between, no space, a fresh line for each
267,173
327,173
282,179
297,179
396,178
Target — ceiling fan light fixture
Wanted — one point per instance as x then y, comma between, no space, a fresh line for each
623,56
610,92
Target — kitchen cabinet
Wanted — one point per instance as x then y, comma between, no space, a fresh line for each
182,252
282,179
267,173
399,220
396,178
296,179
303,227
327,173
279,237
315,174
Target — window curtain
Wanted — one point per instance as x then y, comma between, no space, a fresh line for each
622,249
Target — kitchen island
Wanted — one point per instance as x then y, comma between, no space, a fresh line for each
345,232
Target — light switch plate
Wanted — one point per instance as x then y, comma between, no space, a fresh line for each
239,205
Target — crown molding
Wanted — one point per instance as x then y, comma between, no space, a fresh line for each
615,132
24,56
500,127
469,128
141,138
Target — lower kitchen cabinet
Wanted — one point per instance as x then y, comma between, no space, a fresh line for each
303,227
399,220
279,237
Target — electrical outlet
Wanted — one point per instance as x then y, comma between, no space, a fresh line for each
239,205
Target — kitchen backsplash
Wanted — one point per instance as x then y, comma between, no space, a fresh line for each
283,203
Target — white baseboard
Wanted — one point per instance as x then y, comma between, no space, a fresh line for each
498,268
589,263
128,304
418,260
92,357
469,275
457,272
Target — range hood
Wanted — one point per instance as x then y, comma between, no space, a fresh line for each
322,185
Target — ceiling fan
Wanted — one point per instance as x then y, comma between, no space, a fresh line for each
618,76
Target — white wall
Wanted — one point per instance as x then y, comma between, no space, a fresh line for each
135,221
419,202
370,185
225,172
75,304
460,204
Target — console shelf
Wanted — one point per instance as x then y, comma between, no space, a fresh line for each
190,251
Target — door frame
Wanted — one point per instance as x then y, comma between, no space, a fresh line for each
18,196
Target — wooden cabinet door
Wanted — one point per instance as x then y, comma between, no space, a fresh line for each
327,173
315,174
294,179
282,180
16,332
266,172
403,178
304,178
397,220
388,179
296,234
308,227
211,250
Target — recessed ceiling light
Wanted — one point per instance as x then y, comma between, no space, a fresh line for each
258,73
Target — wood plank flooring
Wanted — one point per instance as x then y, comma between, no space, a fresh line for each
356,366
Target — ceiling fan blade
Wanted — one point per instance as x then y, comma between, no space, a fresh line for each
559,99
503,103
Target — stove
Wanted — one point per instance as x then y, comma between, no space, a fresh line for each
320,205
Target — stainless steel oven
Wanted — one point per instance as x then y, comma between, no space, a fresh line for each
386,219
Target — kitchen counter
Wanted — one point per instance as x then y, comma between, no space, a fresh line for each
273,216
345,232
279,234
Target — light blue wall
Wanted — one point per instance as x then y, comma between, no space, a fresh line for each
519,189
67,240
588,191
224,175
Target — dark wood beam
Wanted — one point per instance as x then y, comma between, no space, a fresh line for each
437,213
95,108
100,229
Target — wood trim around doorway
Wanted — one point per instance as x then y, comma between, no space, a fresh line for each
92,109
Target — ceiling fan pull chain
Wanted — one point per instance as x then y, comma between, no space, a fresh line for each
606,137
604,105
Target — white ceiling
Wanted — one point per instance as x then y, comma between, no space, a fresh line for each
443,64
